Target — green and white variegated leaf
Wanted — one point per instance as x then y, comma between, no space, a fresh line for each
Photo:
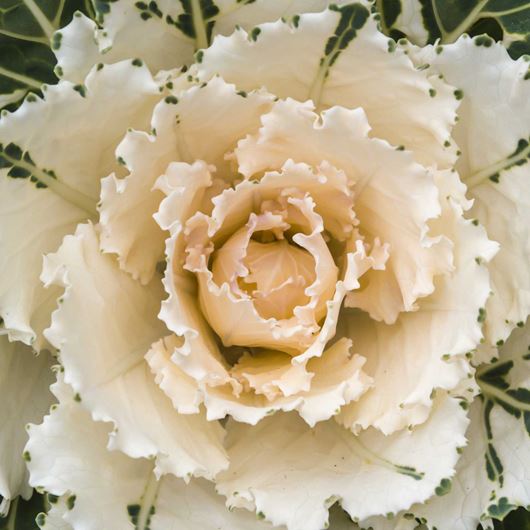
24,382
505,387
101,489
103,358
493,134
426,21
26,41
492,474
403,17
291,474
53,153
324,57
172,31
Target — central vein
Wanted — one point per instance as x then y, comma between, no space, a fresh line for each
62,189
147,502
478,177
499,395
39,16
199,26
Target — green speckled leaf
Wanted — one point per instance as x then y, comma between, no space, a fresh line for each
27,38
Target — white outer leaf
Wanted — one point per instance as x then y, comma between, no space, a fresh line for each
471,490
27,231
425,349
494,117
471,493
69,457
292,473
79,147
24,382
504,209
78,49
163,45
403,112
234,13
103,356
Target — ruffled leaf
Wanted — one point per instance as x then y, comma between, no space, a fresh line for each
191,127
70,460
425,349
103,358
324,58
172,31
381,178
51,179
24,305
292,474
493,133
317,392
492,474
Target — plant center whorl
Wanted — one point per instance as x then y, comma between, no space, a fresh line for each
271,264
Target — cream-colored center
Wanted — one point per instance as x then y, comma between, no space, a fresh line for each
279,273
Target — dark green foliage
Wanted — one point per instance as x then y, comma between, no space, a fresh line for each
516,520
184,22
23,513
21,165
352,18
26,57
447,19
